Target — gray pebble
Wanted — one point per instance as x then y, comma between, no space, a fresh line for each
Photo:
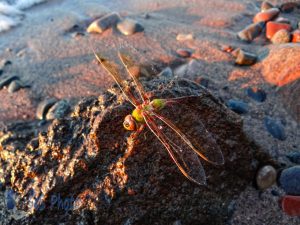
6,81
58,110
129,27
266,177
294,157
15,86
105,22
250,32
245,58
166,73
290,180
44,107
275,128
238,106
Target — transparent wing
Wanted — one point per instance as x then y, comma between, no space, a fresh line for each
195,134
129,63
113,70
186,160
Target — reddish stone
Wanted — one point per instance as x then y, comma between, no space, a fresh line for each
291,205
266,15
273,27
296,36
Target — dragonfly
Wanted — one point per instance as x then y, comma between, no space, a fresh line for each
146,113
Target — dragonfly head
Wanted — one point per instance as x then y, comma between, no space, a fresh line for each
129,123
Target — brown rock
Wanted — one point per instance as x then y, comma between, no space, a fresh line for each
245,58
265,5
105,22
266,177
296,36
251,31
266,15
273,27
281,36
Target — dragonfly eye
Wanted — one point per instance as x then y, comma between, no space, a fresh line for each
129,123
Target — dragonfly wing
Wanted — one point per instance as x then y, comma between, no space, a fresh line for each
129,63
186,160
113,70
199,138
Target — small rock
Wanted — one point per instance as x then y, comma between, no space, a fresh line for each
4,63
245,58
10,201
266,177
184,37
265,5
238,106
266,15
273,27
275,128
252,31
256,94
105,22
6,81
184,53
290,180
296,36
291,205
288,7
282,20
235,53
294,157
227,48
58,110
281,36
15,86
129,27
43,108
166,73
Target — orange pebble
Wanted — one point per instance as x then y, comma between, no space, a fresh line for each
273,27
266,15
296,36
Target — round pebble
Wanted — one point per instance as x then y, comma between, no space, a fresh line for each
281,36
43,108
294,157
184,53
256,94
58,110
266,177
6,81
238,106
290,180
275,128
129,27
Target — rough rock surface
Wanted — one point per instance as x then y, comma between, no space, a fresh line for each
88,157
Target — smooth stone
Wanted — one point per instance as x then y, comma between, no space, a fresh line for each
129,27
184,37
238,106
256,94
266,15
291,205
266,177
265,5
166,73
296,36
245,58
282,20
275,128
290,180
184,53
44,107
288,7
281,37
105,22
273,27
6,81
58,110
251,32
294,157
15,86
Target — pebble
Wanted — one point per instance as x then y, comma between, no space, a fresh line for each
43,108
15,86
266,15
6,81
184,53
252,31
166,73
10,201
275,128
296,36
3,63
129,27
282,20
227,48
58,110
281,36
245,58
274,27
256,94
184,37
291,205
266,177
238,106
265,5
290,180
288,7
294,157
105,22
